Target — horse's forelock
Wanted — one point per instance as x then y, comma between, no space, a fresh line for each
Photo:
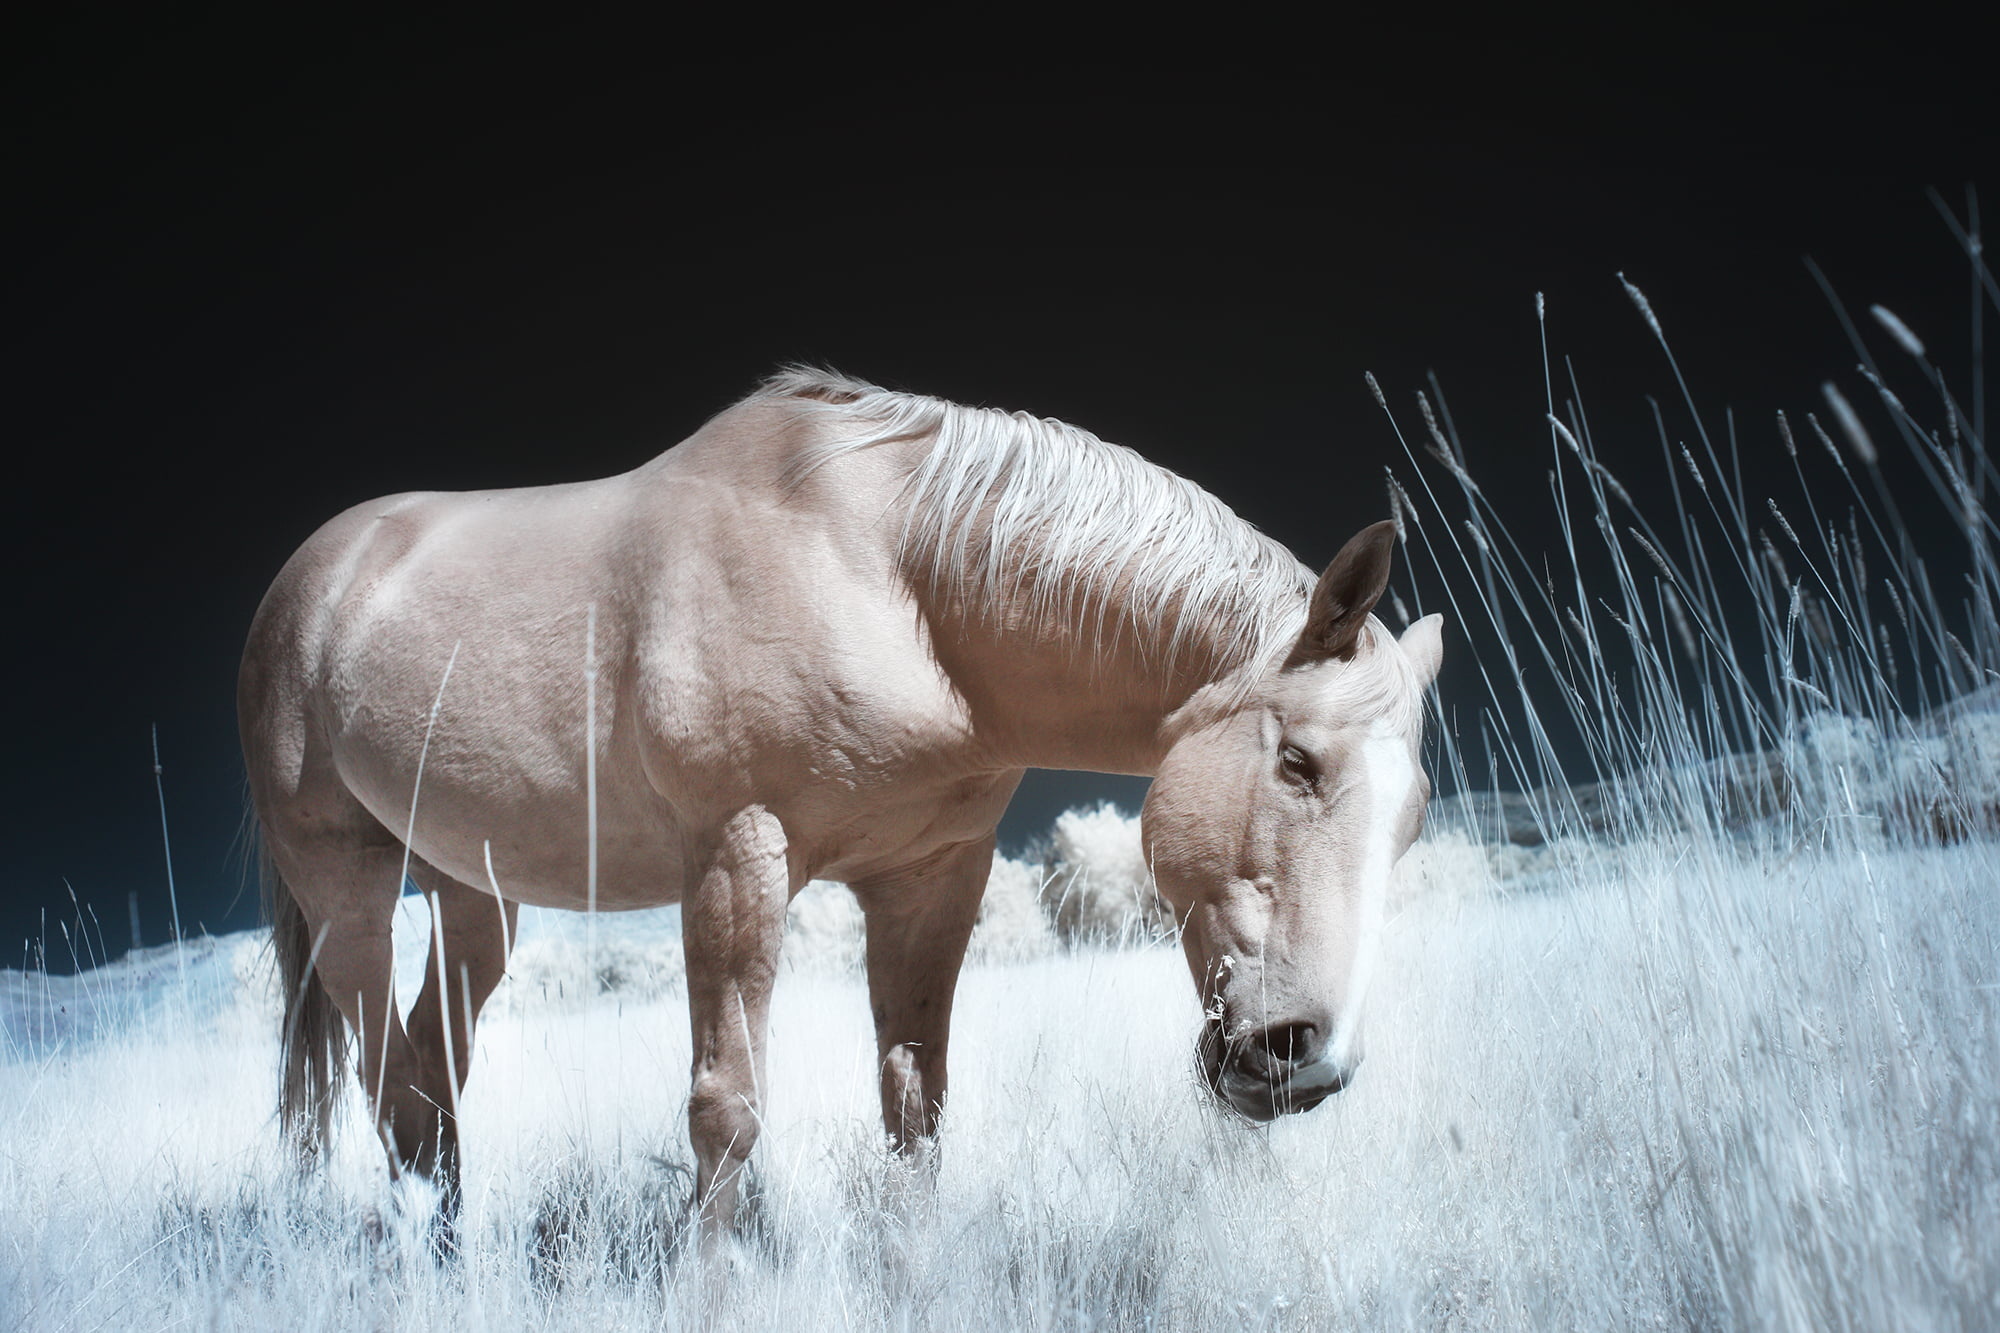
1378,682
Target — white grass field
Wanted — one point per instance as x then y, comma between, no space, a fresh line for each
1661,1085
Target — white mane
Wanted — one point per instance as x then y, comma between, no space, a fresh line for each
1378,682
1097,541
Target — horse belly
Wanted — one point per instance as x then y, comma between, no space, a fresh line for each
497,732
477,822
635,868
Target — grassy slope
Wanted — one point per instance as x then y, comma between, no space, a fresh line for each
1669,1086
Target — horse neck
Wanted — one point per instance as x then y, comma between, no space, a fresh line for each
1062,675
1037,701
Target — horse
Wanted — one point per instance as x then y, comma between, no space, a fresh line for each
823,637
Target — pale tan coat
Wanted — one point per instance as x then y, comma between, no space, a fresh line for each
823,637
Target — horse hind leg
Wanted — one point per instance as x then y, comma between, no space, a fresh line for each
344,880
471,932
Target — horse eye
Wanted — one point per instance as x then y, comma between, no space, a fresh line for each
1298,765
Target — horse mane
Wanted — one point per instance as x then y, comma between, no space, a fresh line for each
1378,682
1076,536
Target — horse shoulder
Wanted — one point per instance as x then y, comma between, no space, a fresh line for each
783,657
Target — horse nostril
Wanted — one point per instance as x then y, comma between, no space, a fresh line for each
1275,1050
1292,1043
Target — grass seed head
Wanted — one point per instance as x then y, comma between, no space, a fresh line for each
1850,424
1644,307
1898,330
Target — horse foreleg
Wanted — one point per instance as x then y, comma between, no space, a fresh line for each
470,934
918,926
731,925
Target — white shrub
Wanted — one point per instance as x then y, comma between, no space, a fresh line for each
824,931
827,934
1099,886
1011,925
1973,757
635,956
1938,778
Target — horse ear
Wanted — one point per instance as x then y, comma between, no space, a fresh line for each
1423,644
1346,593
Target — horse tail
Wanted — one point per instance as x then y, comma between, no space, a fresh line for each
313,1035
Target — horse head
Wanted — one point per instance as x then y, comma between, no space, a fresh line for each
1272,824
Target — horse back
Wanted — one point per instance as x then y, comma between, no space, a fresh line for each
751,640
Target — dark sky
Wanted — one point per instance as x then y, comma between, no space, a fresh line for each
258,275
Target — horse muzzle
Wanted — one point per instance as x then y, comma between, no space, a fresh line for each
1282,1069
